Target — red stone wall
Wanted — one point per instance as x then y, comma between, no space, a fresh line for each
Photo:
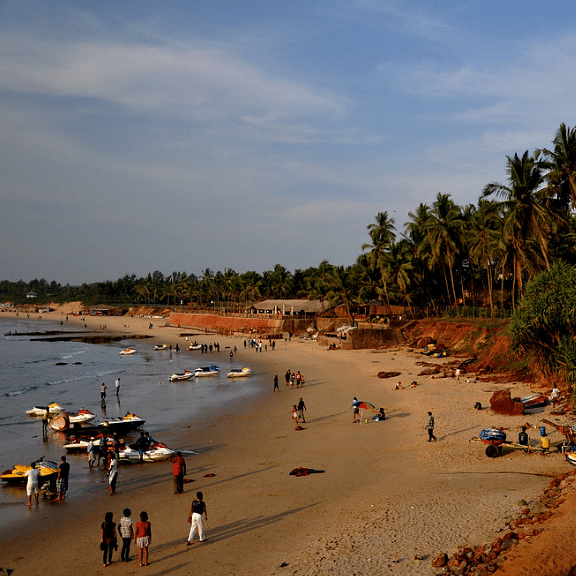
224,324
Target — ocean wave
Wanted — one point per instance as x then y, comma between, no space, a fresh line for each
69,355
21,391
93,375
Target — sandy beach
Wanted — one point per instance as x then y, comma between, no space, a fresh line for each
387,501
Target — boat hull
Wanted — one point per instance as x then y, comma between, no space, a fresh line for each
239,373
207,371
179,377
17,474
156,453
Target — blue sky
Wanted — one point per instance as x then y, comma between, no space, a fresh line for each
142,136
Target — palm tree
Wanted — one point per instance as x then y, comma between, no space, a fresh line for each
526,222
401,268
561,163
207,285
443,226
382,235
340,287
483,238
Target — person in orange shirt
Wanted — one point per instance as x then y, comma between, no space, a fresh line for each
143,538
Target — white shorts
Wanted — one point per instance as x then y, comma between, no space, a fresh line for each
31,489
143,541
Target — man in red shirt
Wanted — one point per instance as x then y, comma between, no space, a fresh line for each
178,470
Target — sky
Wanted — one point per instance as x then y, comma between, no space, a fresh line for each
185,135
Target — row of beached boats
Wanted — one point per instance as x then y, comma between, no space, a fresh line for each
209,371
60,420
81,431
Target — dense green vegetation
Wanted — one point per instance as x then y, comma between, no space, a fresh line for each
545,321
448,256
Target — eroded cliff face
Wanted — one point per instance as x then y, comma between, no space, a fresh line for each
489,343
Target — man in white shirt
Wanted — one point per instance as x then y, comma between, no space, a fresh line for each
32,483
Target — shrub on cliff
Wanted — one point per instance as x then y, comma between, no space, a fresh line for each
545,320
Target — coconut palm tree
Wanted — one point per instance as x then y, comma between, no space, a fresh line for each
444,238
483,239
340,286
561,165
401,268
382,235
527,223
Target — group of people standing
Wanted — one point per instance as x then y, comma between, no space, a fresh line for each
140,533
33,481
258,344
294,379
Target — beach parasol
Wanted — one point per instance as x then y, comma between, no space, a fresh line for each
361,405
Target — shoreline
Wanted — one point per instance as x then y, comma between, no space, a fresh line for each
384,492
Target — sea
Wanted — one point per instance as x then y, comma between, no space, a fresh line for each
36,372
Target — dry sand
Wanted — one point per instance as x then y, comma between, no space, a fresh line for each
387,503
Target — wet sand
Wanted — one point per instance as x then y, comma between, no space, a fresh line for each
387,501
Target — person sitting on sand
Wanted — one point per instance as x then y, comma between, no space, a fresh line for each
523,439
380,417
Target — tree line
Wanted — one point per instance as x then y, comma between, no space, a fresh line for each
447,255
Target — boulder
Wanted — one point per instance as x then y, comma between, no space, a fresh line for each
502,403
440,560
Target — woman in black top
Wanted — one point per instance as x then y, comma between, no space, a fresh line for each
108,540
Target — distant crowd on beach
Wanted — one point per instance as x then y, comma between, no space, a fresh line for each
257,344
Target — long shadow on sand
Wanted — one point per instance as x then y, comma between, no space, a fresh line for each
327,417
231,530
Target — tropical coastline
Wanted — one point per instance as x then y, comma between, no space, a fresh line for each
386,501
384,494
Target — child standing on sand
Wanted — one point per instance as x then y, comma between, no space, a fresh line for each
143,538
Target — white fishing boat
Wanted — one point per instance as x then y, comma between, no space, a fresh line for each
207,371
53,408
239,372
161,347
127,352
178,376
81,444
195,346
157,451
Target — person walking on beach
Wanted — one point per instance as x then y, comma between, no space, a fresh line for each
62,479
196,517
287,377
91,453
45,421
178,471
430,428
356,413
117,384
108,539
301,408
126,529
143,538
276,383
32,481
103,392
113,475
295,417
